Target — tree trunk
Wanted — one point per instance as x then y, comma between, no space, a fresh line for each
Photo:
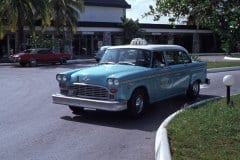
19,39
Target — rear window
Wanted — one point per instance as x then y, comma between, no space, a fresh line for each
175,57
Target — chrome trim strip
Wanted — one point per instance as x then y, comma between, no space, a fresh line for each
89,103
86,84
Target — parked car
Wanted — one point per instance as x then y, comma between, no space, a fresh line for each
100,52
131,77
32,57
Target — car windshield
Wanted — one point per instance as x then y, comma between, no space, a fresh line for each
127,56
28,51
104,48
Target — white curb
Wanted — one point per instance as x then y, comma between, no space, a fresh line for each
162,148
232,58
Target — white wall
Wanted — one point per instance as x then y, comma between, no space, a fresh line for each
102,14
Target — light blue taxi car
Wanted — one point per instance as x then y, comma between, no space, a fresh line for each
131,77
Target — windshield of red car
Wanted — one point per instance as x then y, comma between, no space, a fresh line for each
27,51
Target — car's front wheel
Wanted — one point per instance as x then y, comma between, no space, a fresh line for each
76,110
22,64
137,103
193,90
62,61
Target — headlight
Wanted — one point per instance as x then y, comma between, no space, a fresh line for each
112,81
61,77
116,82
64,78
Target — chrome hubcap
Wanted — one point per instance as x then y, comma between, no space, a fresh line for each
195,88
139,104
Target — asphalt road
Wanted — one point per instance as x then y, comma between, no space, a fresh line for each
32,128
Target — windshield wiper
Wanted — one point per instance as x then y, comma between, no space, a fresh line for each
107,63
127,63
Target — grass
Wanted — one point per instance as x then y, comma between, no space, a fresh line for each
222,64
209,132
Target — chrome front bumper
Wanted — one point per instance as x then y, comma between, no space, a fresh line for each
89,103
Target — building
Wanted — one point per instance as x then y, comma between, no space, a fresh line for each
100,24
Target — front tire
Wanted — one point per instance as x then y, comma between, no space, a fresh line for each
22,64
62,61
193,90
76,110
137,103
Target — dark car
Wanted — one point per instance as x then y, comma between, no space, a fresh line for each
32,57
100,52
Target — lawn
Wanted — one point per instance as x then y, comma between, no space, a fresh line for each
222,64
209,132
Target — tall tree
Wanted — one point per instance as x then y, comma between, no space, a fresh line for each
221,16
131,29
16,14
65,14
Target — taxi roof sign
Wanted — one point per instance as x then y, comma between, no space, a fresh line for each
138,41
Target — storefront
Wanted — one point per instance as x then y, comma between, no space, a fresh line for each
91,36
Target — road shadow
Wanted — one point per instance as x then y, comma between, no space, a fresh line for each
150,121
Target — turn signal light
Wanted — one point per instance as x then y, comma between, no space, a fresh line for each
113,90
62,85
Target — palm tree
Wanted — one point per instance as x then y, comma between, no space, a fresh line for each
65,14
16,14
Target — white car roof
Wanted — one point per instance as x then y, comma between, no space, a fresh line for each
154,47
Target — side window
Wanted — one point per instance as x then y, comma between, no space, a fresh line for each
172,57
41,52
184,58
175,57
158,59
143,58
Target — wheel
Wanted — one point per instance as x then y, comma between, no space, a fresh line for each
22,64
33,63
77,110
137,103
193,90
62,61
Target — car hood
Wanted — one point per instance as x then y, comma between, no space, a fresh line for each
19,54
99,74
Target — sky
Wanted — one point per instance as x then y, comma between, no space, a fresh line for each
139,7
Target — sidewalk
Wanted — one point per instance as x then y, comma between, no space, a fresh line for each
72,61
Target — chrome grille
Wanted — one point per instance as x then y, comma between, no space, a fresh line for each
88,91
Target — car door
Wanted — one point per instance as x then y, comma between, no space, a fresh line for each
46,55
51,56
178,61
40,55
162,84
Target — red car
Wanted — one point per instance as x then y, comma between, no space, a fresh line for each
32,57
